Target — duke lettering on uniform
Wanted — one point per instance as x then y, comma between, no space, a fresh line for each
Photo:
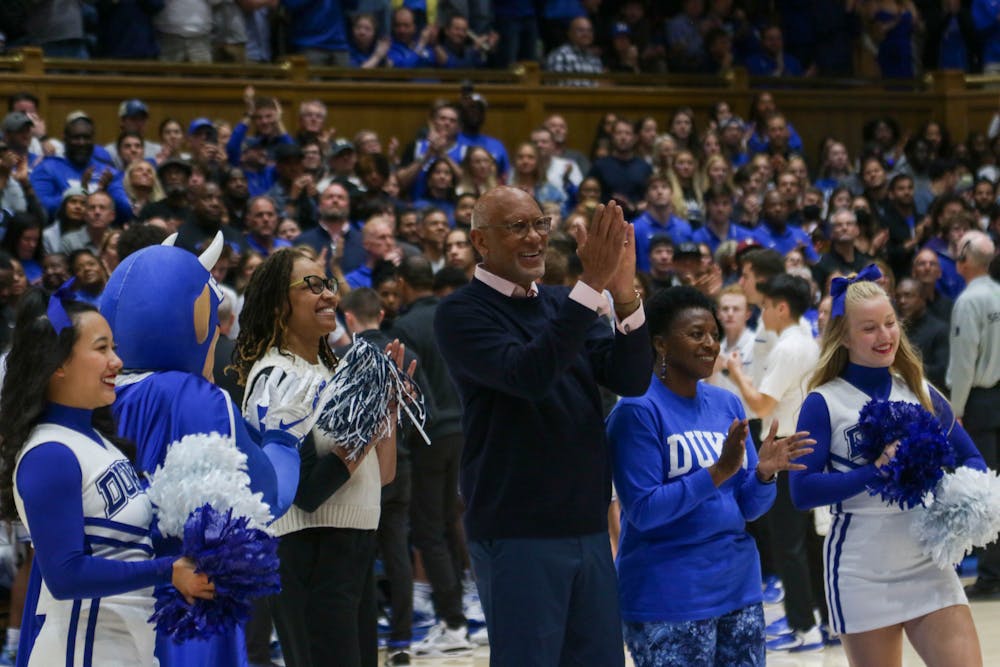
117,485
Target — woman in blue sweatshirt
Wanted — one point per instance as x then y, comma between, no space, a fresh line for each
78,494
879,583
689,573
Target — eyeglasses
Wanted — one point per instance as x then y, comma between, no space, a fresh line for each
520,228
317,284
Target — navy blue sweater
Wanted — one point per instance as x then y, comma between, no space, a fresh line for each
536,461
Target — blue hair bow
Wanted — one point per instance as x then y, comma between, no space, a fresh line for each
838,288
56,311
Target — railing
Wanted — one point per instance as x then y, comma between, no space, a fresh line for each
394,102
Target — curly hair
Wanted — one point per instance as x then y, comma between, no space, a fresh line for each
264,318
36,353
664,306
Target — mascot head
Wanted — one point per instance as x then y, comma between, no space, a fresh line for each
162,305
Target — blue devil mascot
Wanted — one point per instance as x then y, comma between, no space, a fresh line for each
162,305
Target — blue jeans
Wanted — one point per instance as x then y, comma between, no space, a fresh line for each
549,601
735,639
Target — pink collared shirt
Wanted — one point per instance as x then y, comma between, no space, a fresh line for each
582,293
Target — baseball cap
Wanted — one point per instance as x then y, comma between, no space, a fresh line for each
132,108
199,123
338,146
78,114
621,29
252,142
16,121
73,191
687,249
732,121
287,152
173,162
476,97
746,246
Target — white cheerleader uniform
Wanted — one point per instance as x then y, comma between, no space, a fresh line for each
108,631
875,572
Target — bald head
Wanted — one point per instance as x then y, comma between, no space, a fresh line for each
975,252
490,208
377,238
507,253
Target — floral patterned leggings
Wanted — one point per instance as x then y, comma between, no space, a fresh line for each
735,639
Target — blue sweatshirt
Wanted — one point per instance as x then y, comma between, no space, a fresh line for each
54,175
786,240
818,485
535,461
684,553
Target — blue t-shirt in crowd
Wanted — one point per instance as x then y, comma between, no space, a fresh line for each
707,236
684,553
787,240
646,227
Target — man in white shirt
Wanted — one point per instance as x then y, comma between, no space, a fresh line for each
777,399
738,339
560,172
974,375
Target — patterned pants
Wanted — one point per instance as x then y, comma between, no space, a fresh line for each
735,639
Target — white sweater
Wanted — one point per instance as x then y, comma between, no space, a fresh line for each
358,503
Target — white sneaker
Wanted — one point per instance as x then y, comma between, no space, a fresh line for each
444,641
480,637
798,641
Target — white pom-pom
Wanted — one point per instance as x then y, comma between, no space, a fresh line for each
204,468
964,513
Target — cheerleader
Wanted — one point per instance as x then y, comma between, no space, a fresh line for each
68,477
879,584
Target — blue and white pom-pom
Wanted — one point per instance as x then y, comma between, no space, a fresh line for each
202,496
964,513
921,457
364,387
203,469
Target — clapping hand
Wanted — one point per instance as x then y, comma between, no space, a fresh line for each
776,455
601,247
733,452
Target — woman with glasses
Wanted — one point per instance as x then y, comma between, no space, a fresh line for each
326,612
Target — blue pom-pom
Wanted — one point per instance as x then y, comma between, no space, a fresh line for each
241,561
921,456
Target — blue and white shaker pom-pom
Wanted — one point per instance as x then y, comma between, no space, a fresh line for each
964,513
363,387
203,469
202,495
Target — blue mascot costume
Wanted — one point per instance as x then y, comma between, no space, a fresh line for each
162,305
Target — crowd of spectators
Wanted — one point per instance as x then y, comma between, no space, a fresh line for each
888,38
715,204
